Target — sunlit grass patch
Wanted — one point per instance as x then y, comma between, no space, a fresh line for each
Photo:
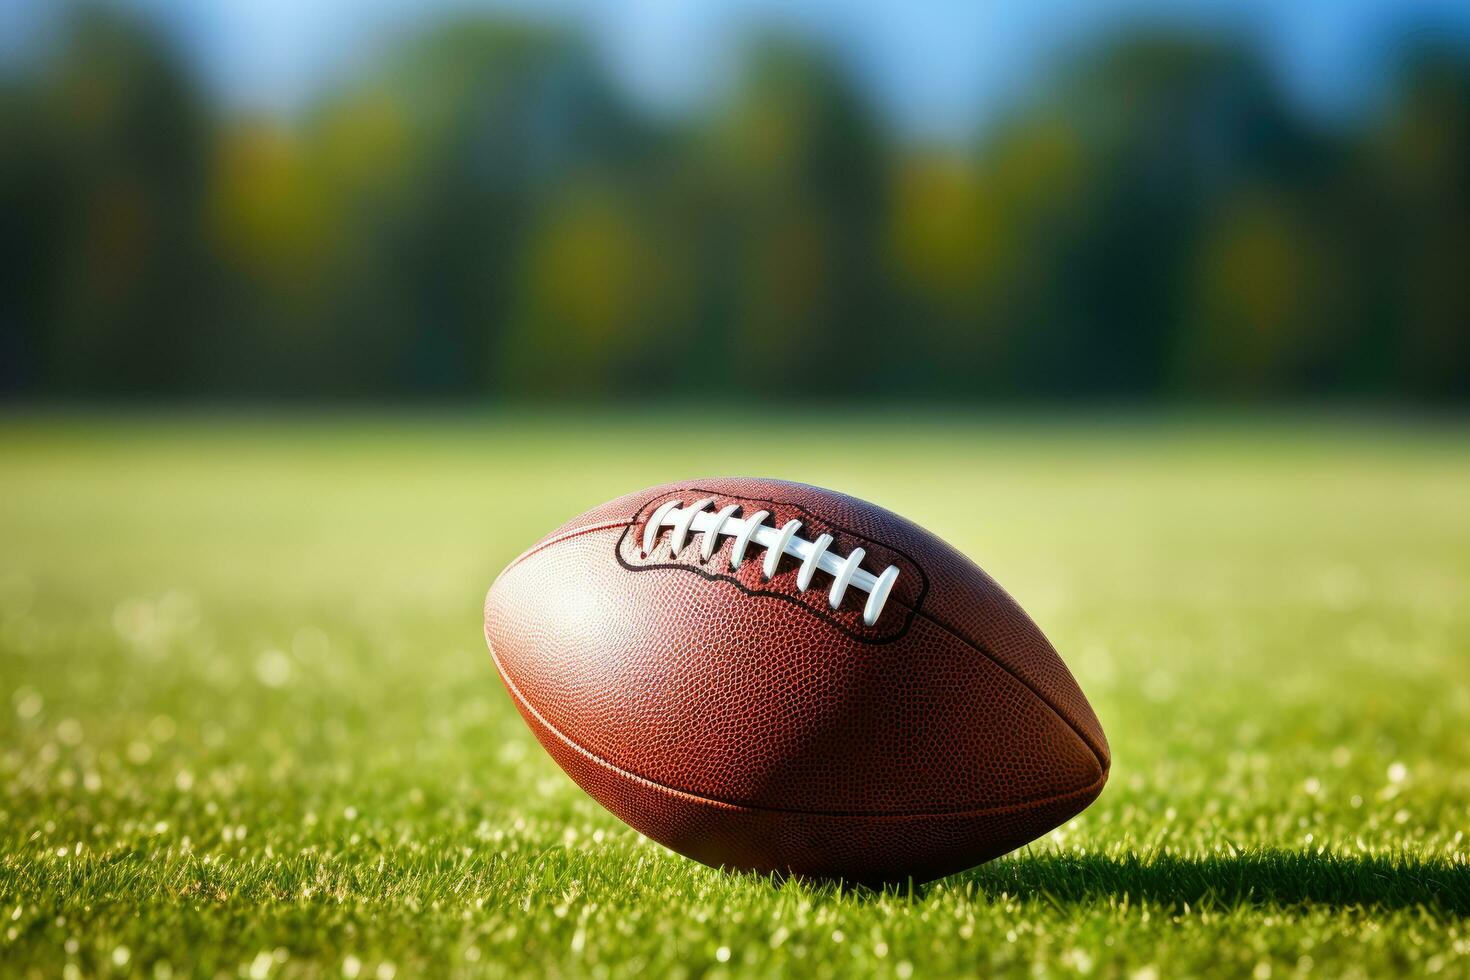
250,727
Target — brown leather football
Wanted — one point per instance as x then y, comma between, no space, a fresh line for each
770,676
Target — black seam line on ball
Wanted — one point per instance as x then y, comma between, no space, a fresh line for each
627,525
815,519
1019,806
1103,764
835,623
865,635
916,610
540,546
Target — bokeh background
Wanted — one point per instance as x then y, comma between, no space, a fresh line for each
313,315
1138,202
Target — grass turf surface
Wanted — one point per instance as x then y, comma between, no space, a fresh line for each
252,729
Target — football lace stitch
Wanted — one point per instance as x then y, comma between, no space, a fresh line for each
846,572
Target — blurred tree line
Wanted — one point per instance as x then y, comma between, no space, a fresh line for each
482,212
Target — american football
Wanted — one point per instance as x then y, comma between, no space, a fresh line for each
770,676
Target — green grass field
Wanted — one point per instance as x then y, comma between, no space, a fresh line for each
250,727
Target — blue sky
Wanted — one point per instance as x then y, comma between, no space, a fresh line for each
937,67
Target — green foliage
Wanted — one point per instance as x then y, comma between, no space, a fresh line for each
103,172
250,726
480,211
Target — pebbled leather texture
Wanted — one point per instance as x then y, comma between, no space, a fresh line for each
909,590
745,723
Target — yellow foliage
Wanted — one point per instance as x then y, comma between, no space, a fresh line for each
1256,293
266,213
589,277
946,235
365,146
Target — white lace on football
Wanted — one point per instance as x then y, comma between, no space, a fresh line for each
814,555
